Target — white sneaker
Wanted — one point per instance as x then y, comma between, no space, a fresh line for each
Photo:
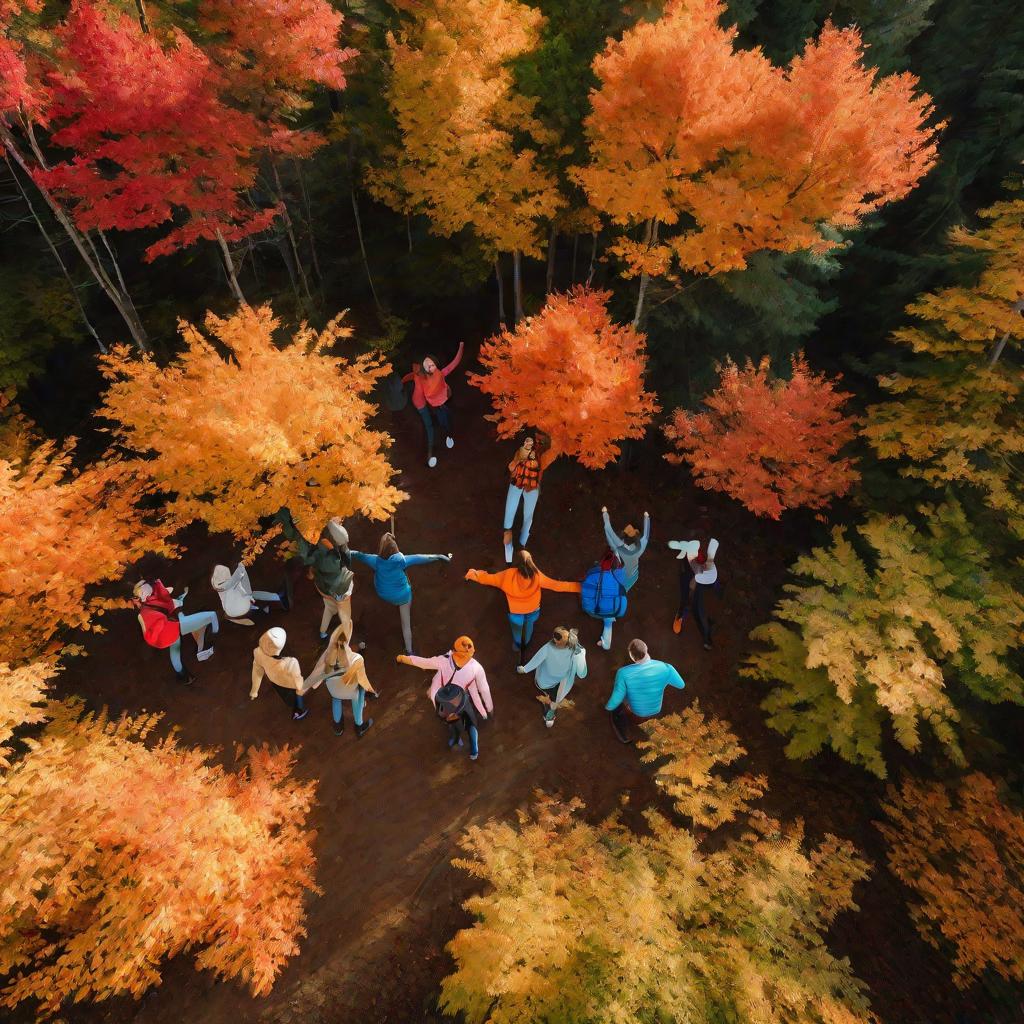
204,655
449,442
432,461
508,554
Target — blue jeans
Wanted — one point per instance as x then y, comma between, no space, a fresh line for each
512,504
522,627
441,411
358,702
195,623
465,721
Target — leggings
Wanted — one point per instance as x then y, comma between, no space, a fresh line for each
196,625
290,697
522,627
405,613
529,499
358,702
700,595
443,421
467,721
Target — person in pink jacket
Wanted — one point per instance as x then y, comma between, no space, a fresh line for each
430,394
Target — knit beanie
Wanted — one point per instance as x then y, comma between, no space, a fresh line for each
272,642
462,650
337,532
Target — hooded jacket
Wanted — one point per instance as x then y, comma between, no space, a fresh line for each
354,677
389,578
432,390
266,660
234,589
558,667
471,677
331,573
159,614
523,594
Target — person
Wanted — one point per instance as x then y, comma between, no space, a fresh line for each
603,594
629,547
163,624
527,467
237,597
558,664
697,575
639,689
283,672
390,581
344,671
430,394
522,586
457,670
330,563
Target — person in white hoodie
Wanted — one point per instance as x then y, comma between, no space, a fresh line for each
697,575
237,597
559,663
344,671
282,671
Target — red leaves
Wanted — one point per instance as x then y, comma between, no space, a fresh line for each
771,444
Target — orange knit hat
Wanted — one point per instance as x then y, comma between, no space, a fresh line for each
462,650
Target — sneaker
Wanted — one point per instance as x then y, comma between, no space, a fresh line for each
432,461
361,730
360,646
339,727
605,645
549,717
508,554
449,442
298,716
372,696
185,678
205,655
473,757
452,743
322,636
677,624
707,647
619,734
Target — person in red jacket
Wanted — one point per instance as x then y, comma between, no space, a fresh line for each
163,623
430,394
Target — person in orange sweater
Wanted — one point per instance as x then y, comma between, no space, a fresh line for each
522,585
430,394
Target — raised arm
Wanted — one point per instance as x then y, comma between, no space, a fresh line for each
536,661
429,664
562,586
411,560
362,556
291,532
487,579
646,534
609,534
455,362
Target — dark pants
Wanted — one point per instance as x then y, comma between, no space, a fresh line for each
466,721
443,421
624,716
290,697
701,592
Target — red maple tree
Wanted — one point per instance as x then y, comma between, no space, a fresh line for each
772,444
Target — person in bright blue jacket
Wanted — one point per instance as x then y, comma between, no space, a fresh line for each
390,579
639,689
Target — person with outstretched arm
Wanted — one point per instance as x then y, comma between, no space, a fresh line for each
629,547
639,689
282,670
558,664
430,394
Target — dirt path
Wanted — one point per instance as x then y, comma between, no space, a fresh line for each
392,805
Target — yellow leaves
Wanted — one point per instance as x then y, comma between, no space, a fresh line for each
22,694
235,439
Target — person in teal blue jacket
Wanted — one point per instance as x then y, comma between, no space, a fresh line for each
639,689
390,579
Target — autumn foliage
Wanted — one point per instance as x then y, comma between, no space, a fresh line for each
872,626
687,129
233,438
960,850
99,889
572,373
771,444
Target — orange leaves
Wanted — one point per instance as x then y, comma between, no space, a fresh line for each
235,439
572,373
687,128
771,444
22,693
99,889
962,854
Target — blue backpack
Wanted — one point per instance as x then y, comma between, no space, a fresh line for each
603,593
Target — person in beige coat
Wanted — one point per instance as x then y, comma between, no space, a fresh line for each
282,671
344,671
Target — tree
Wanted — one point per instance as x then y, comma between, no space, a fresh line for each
594,923
954,416
65,530
99,889
571,373
23,691
770,444
235,438
749,155
960,851
688,748
865,641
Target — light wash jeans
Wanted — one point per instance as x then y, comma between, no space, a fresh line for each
196,625
529,499
522,627
358,703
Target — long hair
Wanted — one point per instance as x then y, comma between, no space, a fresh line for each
525,564
388,546
433,359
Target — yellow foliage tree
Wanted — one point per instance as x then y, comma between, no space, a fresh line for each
956,417
864,641
22,696
961,852
99,889
594,923
235,437
688,748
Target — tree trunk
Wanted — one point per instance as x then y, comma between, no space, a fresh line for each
140,6
56,255
501,291
650,238
575,250
229,267
593,256
309,223
517,284
408,231
122,303
552,251
287,221
362,246
1018,308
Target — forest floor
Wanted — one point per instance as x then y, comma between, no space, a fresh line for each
391,806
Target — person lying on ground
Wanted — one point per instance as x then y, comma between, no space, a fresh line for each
237,597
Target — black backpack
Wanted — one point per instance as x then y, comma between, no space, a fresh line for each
450,702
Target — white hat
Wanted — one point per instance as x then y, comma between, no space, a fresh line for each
220,575
686,548
337,532
273,641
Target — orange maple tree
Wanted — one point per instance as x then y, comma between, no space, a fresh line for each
771,444
572,373
235,438
99,889
961,852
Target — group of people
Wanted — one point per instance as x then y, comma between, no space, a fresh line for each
459,690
